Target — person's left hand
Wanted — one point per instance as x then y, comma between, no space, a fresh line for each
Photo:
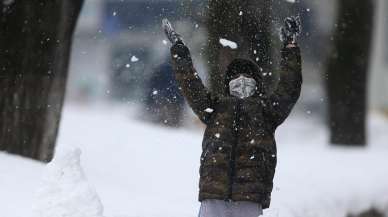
291,30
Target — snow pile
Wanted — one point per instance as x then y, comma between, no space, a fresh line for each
227,43
141,170
329,181
64,190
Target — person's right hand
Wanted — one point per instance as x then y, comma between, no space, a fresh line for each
172,36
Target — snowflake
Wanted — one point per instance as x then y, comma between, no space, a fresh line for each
134,59
227,43
209,110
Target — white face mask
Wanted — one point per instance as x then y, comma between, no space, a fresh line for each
242,87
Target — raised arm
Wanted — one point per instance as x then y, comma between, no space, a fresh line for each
280,103
190,84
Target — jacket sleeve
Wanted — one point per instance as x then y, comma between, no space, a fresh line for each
279,104
190,84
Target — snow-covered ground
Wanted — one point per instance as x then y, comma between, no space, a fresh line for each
141,170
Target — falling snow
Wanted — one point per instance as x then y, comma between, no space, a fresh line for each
134,59
227,43
209,110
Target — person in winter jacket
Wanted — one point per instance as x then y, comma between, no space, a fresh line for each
238,157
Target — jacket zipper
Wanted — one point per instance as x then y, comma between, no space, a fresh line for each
233,154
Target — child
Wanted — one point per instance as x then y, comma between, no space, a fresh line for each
238,150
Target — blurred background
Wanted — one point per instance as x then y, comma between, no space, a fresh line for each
110,33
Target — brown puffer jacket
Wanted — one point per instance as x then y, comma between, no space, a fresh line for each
238,150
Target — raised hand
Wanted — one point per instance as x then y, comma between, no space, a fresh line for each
291,30
172,36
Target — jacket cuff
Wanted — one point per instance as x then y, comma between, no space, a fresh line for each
182,65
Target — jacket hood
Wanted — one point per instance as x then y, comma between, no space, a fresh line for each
242,66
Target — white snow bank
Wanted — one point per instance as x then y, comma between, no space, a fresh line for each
141,170
19,178
227,43
64,191
321,182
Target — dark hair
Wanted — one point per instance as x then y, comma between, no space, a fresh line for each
242,66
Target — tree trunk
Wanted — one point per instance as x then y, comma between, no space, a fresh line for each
35,41
347,72
248,23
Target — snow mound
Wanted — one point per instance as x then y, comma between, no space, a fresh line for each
64,190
